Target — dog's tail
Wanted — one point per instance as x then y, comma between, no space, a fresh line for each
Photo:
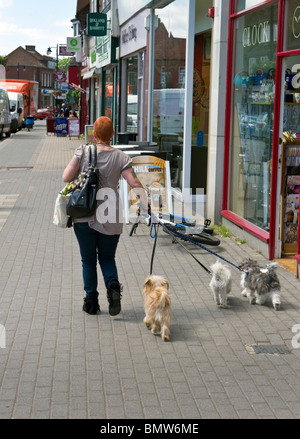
163,297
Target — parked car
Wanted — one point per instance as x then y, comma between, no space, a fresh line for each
43,113
5,117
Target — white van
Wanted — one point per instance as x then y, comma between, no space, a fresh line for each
132,111
5,117
16,110
168,111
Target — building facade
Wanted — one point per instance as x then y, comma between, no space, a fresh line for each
30,65
215,84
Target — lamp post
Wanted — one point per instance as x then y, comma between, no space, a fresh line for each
49,51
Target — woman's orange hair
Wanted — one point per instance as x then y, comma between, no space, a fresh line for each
103,129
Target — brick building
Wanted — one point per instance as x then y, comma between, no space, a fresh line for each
31,65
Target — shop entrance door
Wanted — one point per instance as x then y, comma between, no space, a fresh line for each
290,157
200,120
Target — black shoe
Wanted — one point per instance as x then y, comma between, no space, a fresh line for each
91,306
114,298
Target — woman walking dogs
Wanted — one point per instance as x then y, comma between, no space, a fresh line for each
98,235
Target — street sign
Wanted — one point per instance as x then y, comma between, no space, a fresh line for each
96,24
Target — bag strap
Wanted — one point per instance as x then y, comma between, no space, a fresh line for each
95,156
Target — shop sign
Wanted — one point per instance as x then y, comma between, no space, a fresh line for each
296,22
64,51
129,34
96,24
293,25
74,44
59,76
51,65
257,34
133,34
93,56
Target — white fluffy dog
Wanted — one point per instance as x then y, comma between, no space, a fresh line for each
220,283
259,283
157,305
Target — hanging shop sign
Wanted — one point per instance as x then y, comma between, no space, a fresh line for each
96,24
64,51
74,44
59,76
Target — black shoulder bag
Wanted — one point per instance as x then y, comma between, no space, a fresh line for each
83,201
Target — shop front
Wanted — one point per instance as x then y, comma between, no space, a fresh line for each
262,104
133,53
104,75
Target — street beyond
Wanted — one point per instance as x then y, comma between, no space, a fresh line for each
58,362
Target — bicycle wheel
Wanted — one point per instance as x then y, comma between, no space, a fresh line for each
205,238
202,238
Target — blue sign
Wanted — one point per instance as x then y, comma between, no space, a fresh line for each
61,126
200,138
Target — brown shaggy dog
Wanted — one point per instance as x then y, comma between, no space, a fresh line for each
157,305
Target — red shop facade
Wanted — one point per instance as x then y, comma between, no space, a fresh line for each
262,134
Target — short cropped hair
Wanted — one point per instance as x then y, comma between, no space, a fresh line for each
104,129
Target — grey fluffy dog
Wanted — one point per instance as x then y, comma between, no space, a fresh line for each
220,283
260,283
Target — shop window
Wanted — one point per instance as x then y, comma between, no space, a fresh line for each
240,5
253,115
200,121
169,85
132,95
290,160
292,29
109,94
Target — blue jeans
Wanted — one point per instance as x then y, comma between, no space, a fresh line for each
93,244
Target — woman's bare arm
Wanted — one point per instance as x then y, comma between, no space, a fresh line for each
71,171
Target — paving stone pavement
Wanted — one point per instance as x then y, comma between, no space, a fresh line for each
58,362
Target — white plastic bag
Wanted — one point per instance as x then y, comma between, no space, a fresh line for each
60,217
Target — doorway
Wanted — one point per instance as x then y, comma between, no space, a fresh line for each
200,120
290,157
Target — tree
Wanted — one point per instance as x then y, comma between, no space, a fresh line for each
63,65
3,60
73,97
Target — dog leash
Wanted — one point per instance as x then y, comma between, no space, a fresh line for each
177,240
186,238
175,235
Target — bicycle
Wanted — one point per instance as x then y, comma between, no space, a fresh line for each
181,227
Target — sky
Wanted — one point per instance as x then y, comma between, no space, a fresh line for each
41,23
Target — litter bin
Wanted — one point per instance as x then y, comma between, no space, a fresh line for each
125,137
29,122
50,125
